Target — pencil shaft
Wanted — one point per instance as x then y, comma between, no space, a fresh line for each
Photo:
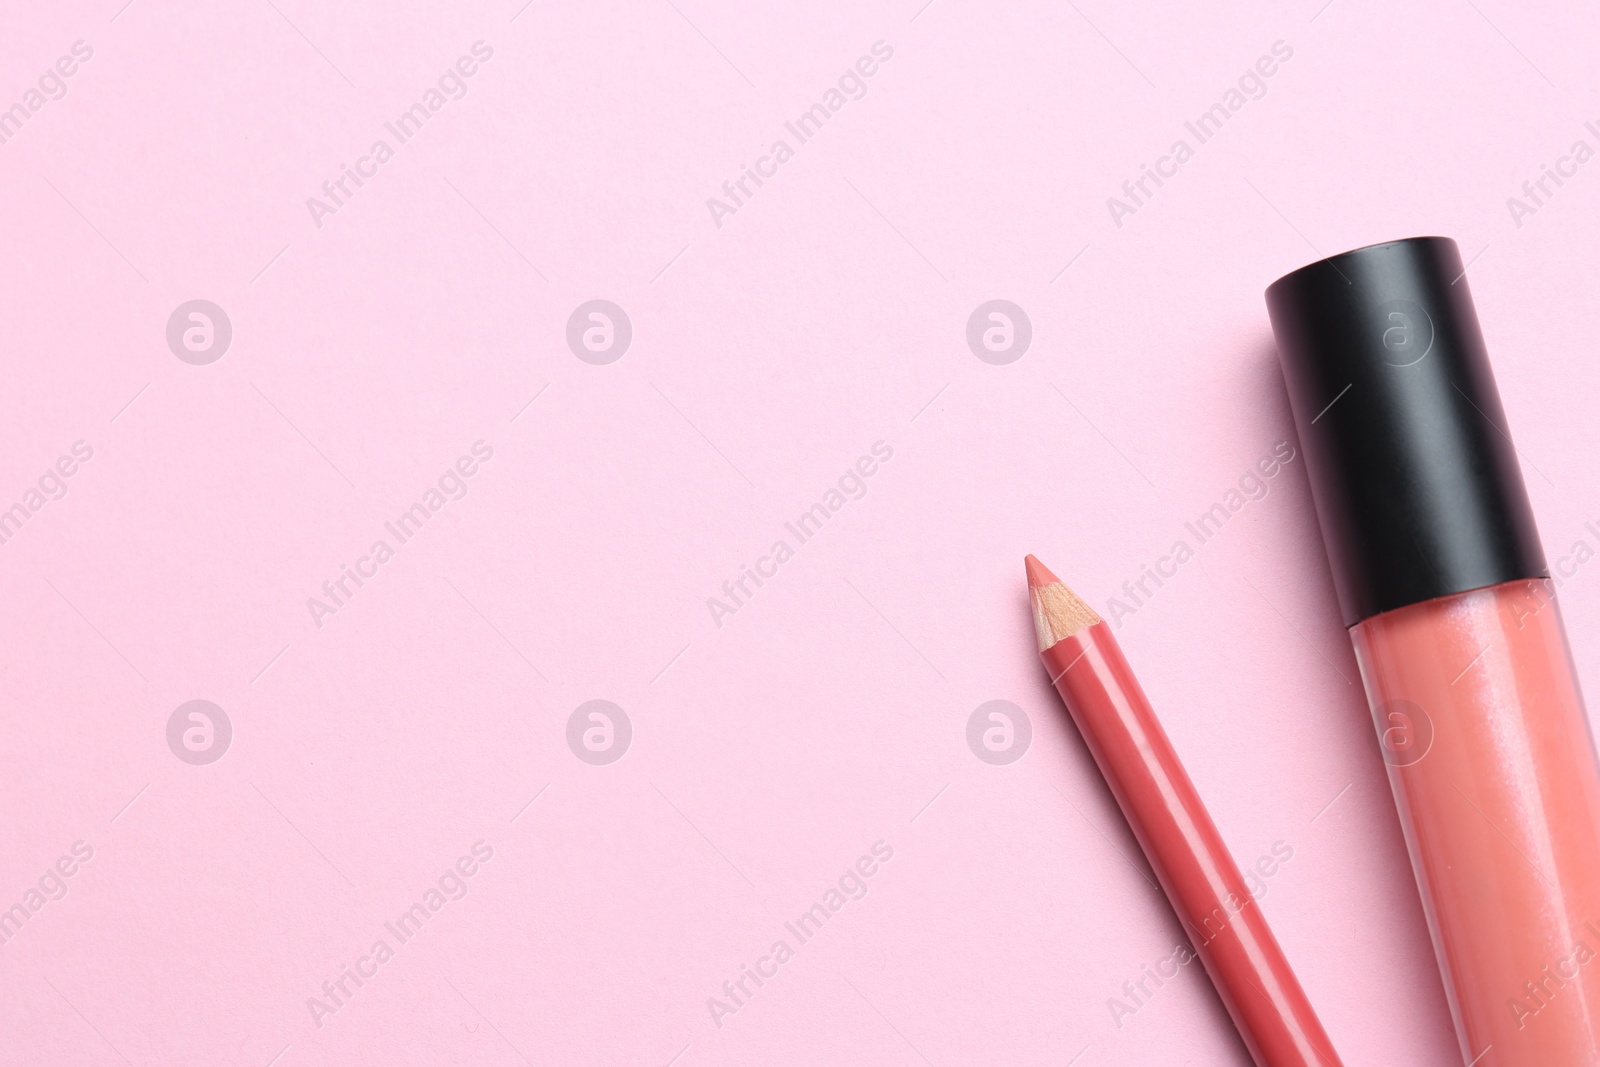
1220,916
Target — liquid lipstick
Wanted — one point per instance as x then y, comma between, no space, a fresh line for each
1443,585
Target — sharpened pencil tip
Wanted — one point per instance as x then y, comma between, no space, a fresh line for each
1039,575
1058,612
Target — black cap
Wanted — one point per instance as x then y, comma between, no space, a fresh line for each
1412,469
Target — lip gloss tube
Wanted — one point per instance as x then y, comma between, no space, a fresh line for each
1443,585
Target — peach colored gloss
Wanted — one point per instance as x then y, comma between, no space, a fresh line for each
1441,578
1498,794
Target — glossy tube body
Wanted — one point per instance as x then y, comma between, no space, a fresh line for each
1221,918
1495,776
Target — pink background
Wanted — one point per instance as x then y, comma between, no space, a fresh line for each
830,711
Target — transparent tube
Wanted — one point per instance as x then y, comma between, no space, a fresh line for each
1494,772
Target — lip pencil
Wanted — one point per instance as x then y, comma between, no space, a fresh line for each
1220,916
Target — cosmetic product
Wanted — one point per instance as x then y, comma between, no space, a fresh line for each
1219,914
1442,583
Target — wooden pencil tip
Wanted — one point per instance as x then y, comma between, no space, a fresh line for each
1039,575
1058,612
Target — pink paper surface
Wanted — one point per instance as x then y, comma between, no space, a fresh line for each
768,744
